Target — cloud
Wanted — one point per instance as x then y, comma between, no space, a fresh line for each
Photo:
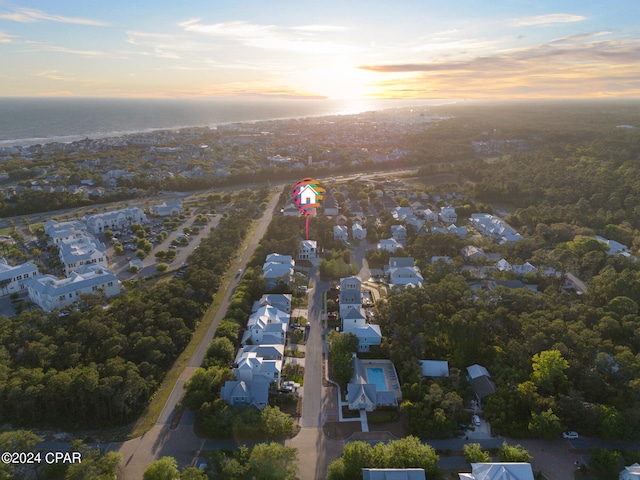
320,28
5,38
307,39
580,65
38,46
31,15
547,20
54,75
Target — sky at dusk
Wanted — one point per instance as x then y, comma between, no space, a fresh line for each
346,49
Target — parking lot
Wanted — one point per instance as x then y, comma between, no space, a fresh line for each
120,263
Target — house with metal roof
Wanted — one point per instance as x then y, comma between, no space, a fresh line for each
13,278
49,292
499,471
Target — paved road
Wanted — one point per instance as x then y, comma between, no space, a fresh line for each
181,443
315,449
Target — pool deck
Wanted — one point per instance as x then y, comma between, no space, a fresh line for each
390,375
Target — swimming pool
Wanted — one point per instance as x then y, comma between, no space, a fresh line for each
376,376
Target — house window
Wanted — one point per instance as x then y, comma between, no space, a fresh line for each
61,297
110,284
71,295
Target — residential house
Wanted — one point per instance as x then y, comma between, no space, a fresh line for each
307,250
367,394
256,368
403,272
389,245
443,258
393,474
503,266
49,292
171,208
369,335
239,393
353,318
434,368
461,232
341,233
13,279
250,365
631,472
330,205
419,225
615,248
388,203
266,352
355,208
494,228
281,301
523,269
342,220
358,231
400,213
399,233
448,214
472,254
499,471
266,326
277,269
291,210
481,381
350,294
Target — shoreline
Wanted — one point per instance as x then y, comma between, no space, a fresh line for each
339,108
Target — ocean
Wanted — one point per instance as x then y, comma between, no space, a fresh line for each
29,121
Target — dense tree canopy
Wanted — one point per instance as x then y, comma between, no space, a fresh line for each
99,366
408,452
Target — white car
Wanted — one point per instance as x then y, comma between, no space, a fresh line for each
570,435
476,420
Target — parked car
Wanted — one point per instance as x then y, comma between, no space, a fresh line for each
476,420
570,435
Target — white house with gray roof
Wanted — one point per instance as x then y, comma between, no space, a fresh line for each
403,272
277,268
266,326
499,471
114,220
49,292
13,278
166,209
257,366
76,253
281,301
64,231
